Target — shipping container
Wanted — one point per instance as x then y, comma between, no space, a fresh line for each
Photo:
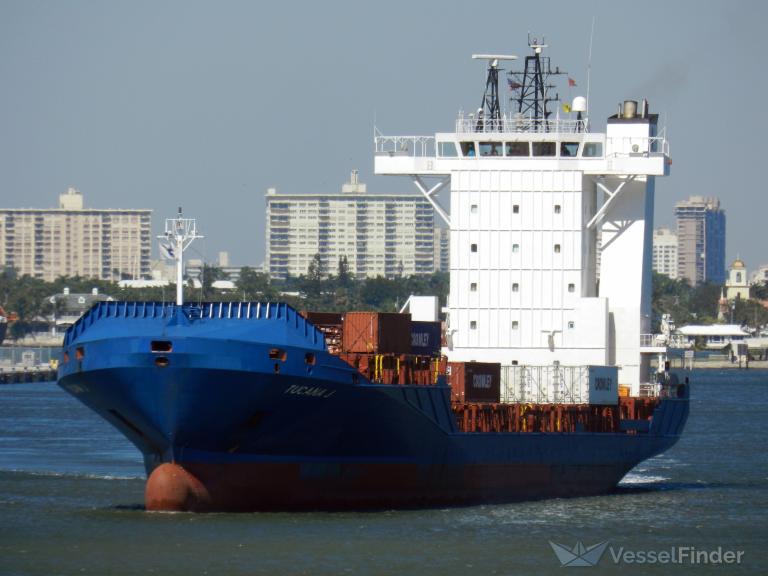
330,324
560,384
425,338
323,318
377,333
474,381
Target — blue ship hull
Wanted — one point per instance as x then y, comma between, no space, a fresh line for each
241,407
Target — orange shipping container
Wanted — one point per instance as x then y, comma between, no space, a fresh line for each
323,318
474,381
377,333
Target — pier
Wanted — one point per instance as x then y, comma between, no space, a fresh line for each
19,365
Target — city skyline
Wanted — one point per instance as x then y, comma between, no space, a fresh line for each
208,106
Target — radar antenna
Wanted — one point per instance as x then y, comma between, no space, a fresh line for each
489,113
532,83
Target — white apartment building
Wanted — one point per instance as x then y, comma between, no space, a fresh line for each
442,249
379,234
665,252
110,244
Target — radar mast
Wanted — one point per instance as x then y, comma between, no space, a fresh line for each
180,233
489,114
533,84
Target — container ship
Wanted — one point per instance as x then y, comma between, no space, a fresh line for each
537,383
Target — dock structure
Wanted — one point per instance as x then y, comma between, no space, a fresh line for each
19,365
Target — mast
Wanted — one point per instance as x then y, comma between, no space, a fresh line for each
180,233
533,84
489,113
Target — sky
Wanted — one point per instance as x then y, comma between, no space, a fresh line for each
156,104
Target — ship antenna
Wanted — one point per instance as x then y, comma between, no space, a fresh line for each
589,61
180,232
532,82
489,114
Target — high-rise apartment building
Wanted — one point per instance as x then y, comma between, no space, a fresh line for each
700,240
70,240
442,249
379,234
665,252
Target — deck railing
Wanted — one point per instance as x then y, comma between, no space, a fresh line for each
512,123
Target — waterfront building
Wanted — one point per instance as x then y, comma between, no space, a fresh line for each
442,249
107,244
737,285
760,275
379,234
665,252
700,240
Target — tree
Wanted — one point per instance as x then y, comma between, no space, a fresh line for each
759,290
209,275
343,277
254,285
315,269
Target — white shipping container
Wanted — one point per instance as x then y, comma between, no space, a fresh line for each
556,384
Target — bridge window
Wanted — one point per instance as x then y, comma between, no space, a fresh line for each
473,325
557,209
446,149
544,148
515,325
490,149
473,287
571,287
516,209
592,150
518,149
473,247
569,149
473,209
515,248
515,287
467,148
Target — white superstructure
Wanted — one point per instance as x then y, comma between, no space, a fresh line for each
528,194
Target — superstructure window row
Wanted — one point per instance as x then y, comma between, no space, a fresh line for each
522,149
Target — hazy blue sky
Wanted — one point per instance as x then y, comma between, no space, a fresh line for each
207,104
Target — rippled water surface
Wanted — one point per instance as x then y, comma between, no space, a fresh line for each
71,494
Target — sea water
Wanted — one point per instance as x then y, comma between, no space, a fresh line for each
71,502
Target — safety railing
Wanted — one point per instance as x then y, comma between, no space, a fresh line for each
658,340
632,146
516,123
413,146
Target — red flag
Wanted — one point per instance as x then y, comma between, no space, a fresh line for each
571,82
